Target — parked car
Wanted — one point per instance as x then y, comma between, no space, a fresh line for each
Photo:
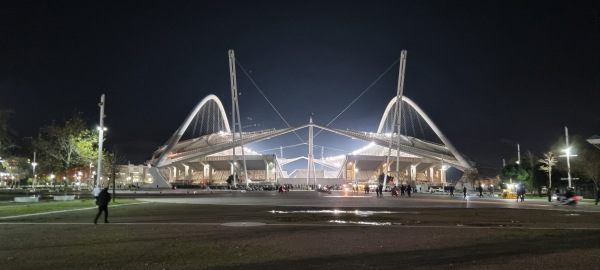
436,189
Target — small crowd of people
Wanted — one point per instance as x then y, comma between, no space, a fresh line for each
403,190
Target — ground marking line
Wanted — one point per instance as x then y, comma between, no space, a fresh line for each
63,211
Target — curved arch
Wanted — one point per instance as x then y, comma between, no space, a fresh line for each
175,138
437,131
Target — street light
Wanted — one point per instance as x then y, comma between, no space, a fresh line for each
90,179
568,154
33,164
100,139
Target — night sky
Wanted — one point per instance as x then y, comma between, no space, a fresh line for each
490,74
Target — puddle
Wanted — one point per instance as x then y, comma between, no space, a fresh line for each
243,224
337,212
361,222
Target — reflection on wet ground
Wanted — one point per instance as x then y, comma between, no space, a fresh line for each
336,212
361,222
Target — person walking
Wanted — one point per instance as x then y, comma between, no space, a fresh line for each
465,193
549,193
451,191
95,193
597,195
408,190
102,202
521,193
480,191
381,190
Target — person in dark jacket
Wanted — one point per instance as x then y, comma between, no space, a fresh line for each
102,202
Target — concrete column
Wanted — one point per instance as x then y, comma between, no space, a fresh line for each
266,169
206,169
186,171
431,174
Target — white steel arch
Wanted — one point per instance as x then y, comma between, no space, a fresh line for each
177,136
437,131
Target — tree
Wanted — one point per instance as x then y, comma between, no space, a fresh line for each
536,179
470,176
63,147
230,180
381,178
548,162
6,132
515,172
588,164
114,158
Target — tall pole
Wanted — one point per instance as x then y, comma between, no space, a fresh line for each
310,152
568,154
235,114
396,120
33,182
100,140
518,154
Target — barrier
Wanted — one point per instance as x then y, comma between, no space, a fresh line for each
27,199
64,198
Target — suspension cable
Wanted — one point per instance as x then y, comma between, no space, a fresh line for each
361,94
267,99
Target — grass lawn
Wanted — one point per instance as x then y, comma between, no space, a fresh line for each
12,208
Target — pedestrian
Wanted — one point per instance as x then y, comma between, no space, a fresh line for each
465,193
597,195
451,191
480,191
402,189
102,202
381,190
521,193
549,193
95,193
408,190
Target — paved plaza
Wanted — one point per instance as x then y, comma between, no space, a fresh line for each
305,230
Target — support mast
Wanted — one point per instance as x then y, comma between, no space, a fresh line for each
311,164
235,115
396,120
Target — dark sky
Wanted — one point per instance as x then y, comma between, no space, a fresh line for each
489,73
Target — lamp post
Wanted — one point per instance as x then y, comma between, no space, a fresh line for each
100,139
568,154
90,174
33,164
